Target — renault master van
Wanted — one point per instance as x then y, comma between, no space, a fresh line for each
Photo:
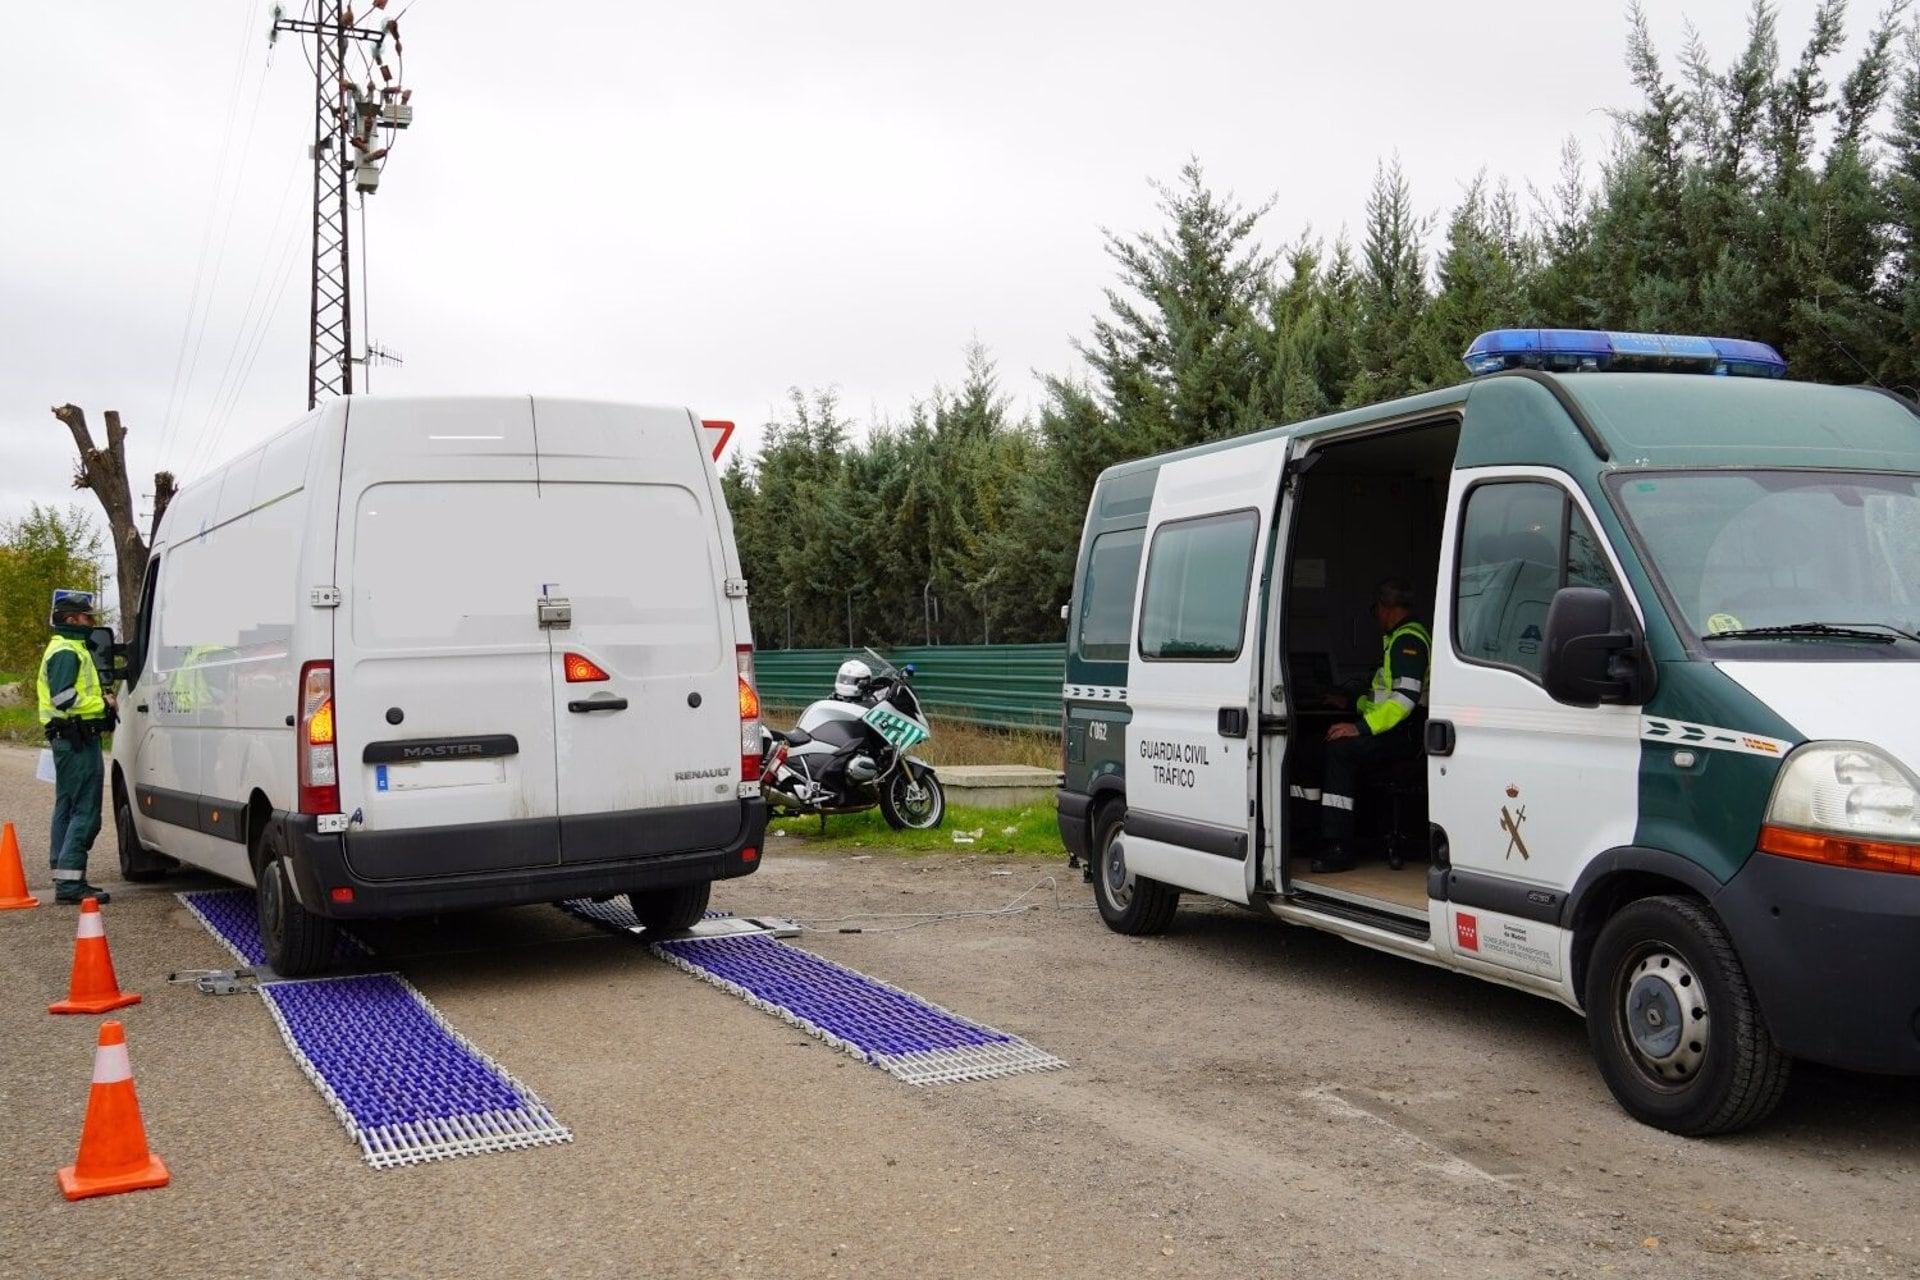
1670,755
413,656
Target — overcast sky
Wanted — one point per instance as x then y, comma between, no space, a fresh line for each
706,204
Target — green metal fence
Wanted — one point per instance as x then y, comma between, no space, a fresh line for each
1006,686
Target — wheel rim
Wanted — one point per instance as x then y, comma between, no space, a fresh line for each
914,801
1663,1010
1114,874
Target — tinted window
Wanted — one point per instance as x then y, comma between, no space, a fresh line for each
1520,542
1194,607
1106,602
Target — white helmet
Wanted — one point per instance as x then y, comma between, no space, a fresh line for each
852,679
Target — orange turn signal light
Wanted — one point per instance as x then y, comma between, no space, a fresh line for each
583,670
1841,851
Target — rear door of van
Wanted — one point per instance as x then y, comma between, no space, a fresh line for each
443,677
646,715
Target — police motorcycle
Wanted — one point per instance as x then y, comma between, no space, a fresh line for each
849,752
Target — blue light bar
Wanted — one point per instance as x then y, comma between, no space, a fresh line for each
1581,350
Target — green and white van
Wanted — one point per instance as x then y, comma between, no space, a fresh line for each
1672,729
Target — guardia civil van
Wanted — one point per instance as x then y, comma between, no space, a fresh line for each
1672,727
421,655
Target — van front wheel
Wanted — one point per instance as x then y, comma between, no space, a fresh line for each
138,864
670,910
1129,903
297,942
1674,1025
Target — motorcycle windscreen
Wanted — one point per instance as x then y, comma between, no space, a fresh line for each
646,715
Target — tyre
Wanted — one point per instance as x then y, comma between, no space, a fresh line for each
1129,904
1674,1024
138,864
670,910
297,942
910,804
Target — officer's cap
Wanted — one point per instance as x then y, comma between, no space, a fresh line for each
65,602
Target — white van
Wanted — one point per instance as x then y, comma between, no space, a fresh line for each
1671,755
421,655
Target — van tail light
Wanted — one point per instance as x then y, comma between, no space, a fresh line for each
749,716
318,759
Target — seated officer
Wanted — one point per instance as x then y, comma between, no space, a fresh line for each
1383,729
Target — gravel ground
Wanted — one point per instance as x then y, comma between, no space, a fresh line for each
1241,1098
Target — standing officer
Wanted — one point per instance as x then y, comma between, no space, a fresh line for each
1384,729
74,711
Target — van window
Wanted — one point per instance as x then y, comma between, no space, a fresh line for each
1520,541
1106,601
1194,606
1738,549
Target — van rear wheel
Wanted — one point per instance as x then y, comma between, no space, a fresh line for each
297,942
670,910
1129,903
1674,1025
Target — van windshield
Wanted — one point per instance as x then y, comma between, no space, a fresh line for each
1820,557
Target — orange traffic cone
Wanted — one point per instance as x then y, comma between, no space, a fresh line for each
113,1143
93,988
13,881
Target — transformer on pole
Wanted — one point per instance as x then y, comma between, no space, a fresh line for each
348,116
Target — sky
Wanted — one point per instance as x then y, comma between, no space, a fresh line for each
708,204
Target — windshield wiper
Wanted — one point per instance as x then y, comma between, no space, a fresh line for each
1816,630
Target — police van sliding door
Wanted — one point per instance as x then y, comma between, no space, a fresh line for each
1193,667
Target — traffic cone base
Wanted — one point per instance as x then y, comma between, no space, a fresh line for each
13,880
93,988
113,1141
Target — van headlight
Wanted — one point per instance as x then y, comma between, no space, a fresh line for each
1848,804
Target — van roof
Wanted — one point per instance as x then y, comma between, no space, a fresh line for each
1677,420
1664,420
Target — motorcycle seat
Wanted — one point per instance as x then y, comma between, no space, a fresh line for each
796,737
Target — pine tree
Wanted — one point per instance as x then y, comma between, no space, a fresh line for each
1179,358
1393,353
1900,292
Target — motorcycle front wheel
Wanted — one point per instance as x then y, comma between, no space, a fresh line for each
910,804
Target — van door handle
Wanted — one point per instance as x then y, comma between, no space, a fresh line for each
141,708
1439,737
598,704
1233,722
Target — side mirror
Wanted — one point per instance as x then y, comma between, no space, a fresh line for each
1587,662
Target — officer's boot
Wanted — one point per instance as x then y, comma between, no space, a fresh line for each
1335,856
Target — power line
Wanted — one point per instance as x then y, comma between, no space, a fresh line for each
206,236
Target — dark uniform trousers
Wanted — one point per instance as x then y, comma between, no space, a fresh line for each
1347,762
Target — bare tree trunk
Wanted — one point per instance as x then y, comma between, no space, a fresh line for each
105,472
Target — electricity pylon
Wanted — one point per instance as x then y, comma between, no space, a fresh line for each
347,118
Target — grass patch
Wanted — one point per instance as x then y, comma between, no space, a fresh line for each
963,742
1030,830
21,724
